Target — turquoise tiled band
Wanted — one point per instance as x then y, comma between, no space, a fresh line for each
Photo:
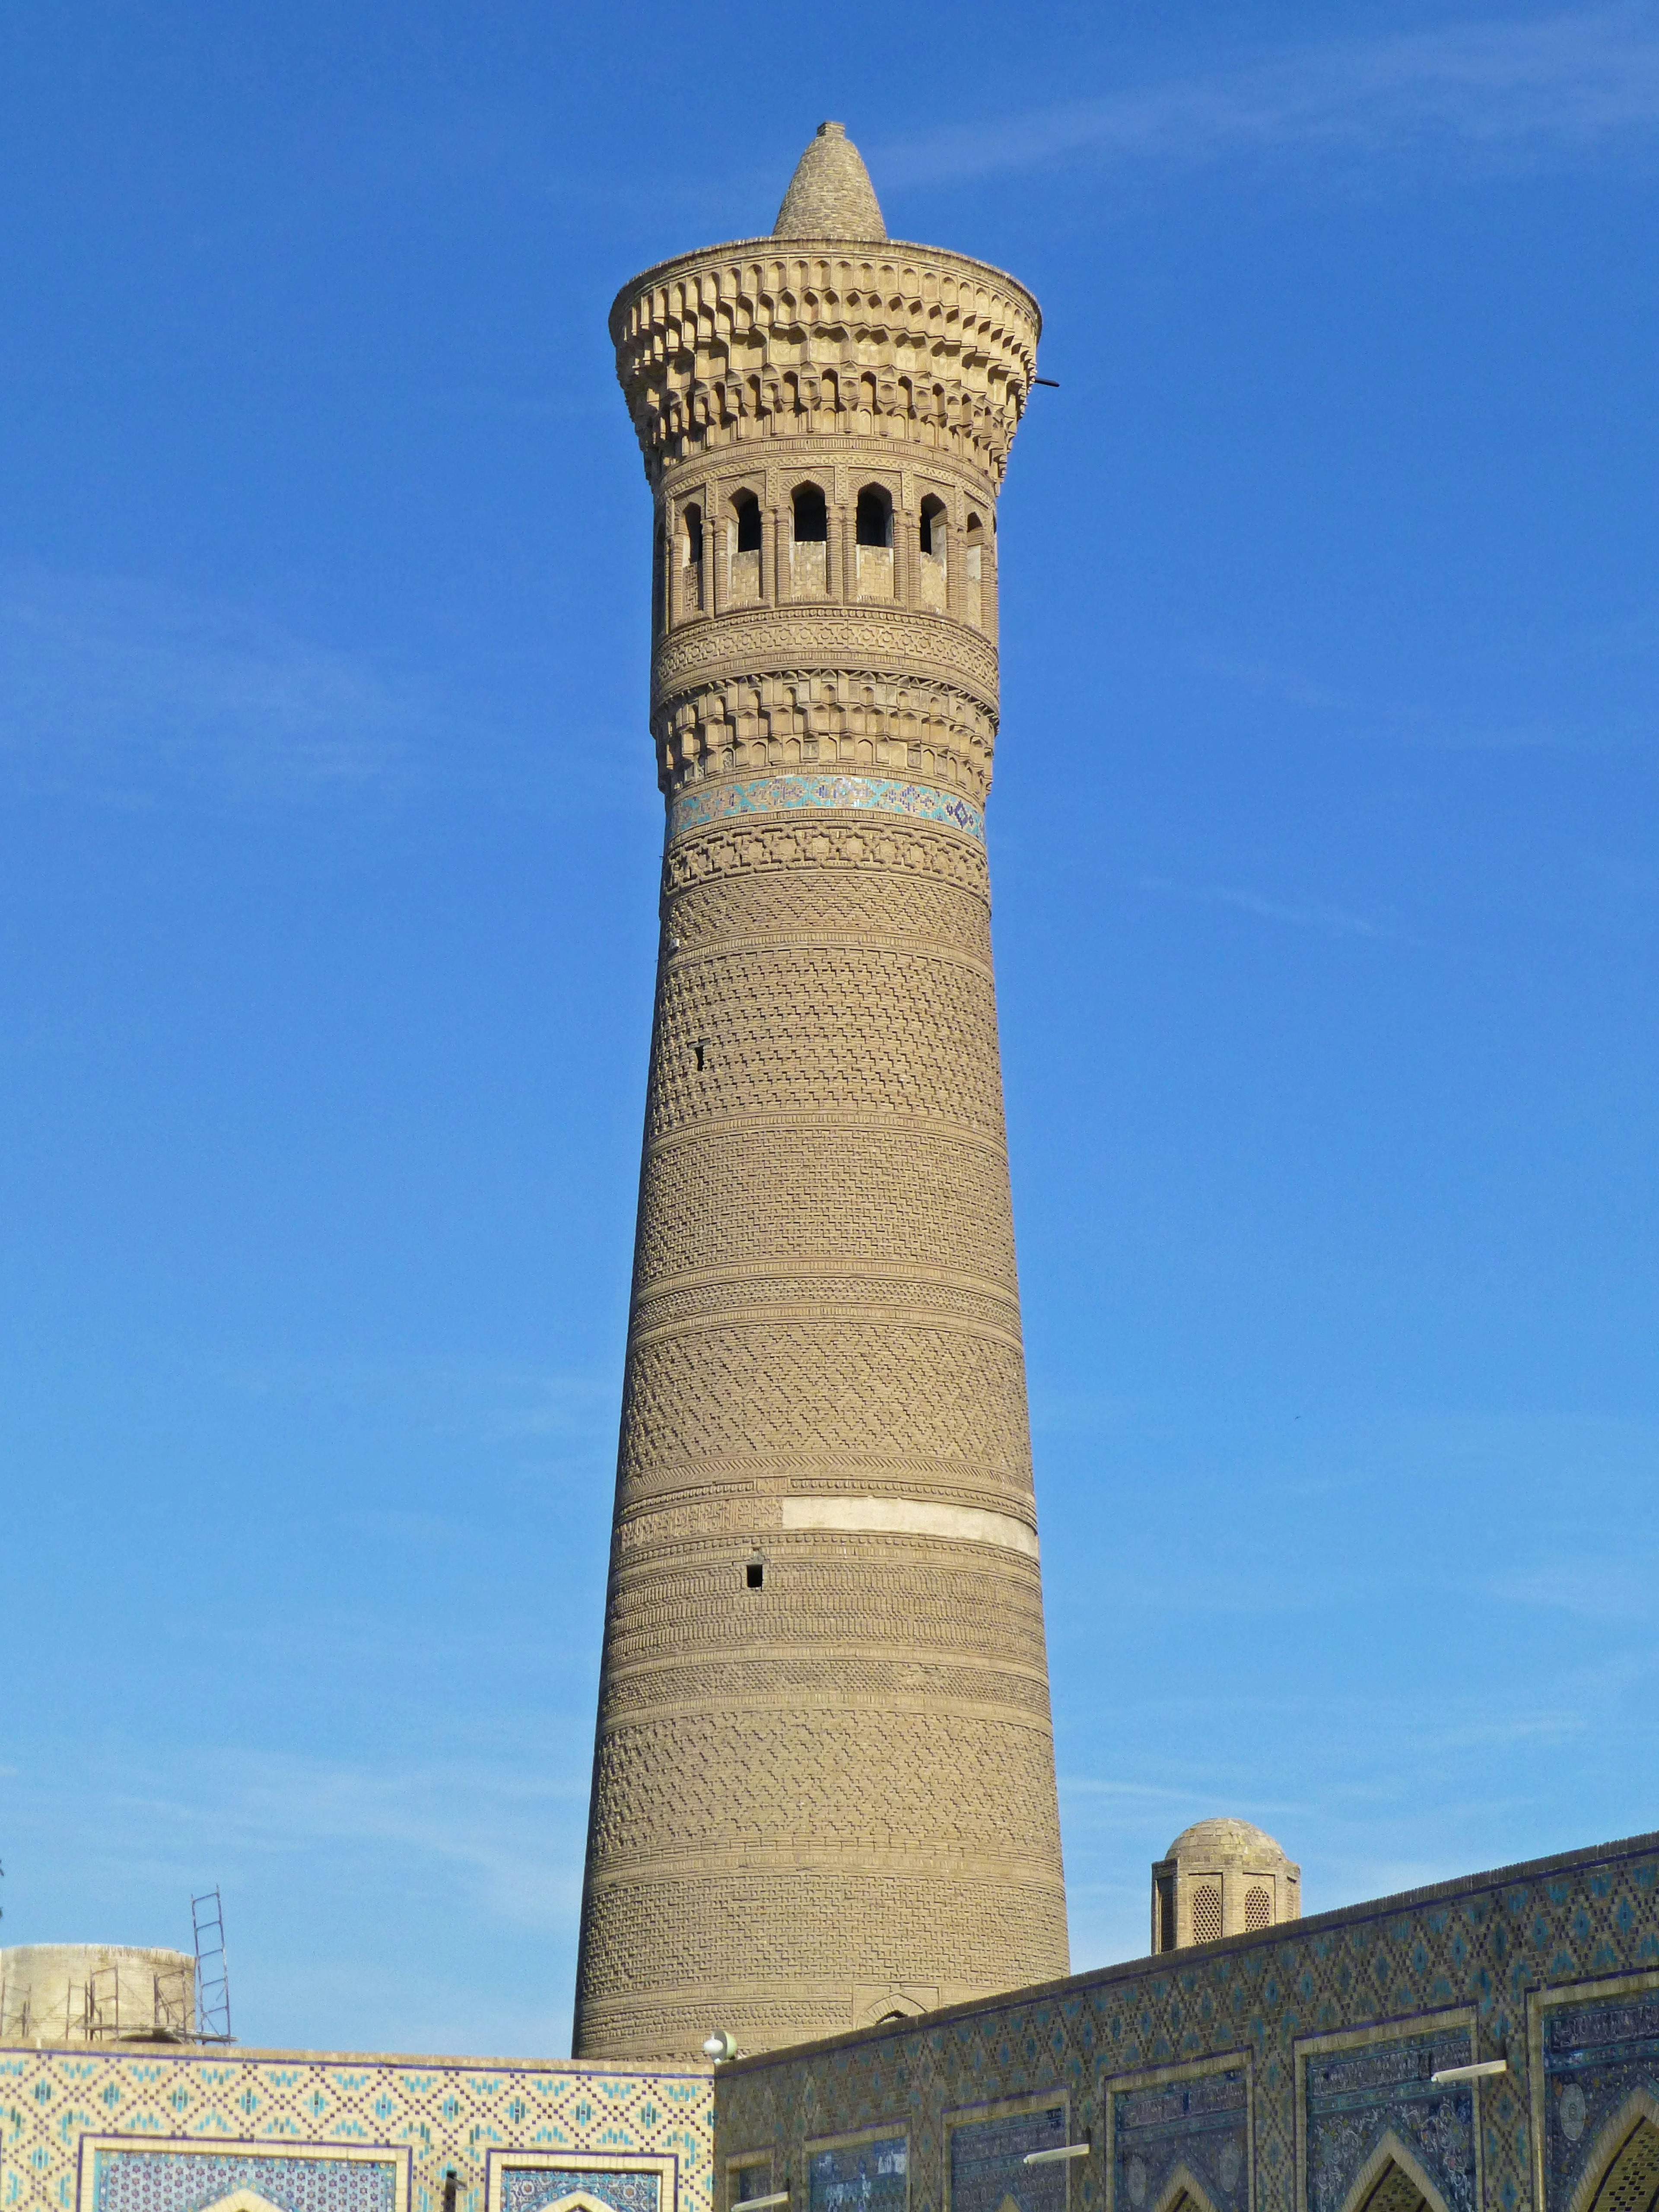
705,804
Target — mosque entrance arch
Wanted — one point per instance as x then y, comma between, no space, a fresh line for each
1622,2172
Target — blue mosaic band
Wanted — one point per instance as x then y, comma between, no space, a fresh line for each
701,806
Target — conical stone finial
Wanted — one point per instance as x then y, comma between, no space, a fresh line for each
831,194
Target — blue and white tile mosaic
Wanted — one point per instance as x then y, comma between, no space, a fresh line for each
1202,2123
1355,2097
988,2163
529,2189
866,2177
1596,2055
701,806
69,2118
192,2181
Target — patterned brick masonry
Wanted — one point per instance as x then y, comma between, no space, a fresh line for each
824,1787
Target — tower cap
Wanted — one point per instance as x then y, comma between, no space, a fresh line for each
831,194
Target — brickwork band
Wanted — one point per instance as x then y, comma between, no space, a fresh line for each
824,1786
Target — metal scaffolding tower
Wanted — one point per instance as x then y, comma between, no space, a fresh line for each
207,1914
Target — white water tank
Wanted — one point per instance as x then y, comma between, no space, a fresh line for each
96,1993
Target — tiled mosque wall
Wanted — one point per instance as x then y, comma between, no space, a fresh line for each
156,2129
1285,2071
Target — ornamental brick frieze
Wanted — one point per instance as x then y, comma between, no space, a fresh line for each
860,1680
738,344
922,731
843,650
839,842
889,1300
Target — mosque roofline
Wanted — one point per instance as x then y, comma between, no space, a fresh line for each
1164,1962
872,249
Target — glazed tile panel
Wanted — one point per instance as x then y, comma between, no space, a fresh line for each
100,2129
703,805
529,2189
1355,2098
192,2181
867,2177
988,2163
1334,2025
1599,2059
1202,2123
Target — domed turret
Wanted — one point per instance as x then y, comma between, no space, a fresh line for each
831,194
1222,1877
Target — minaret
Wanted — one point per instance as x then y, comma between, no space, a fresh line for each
824,1780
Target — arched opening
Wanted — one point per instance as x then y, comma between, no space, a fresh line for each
1258,1906
809,552
1391,2180
872,524
1207,1912
691,593
1182,2193
659,574
875,517
744,529
974,580
1622,2174
935,571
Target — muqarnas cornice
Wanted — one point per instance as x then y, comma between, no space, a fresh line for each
763,338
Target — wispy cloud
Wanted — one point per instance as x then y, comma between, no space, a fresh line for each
1333,921
1503,89
1592,1589
119,684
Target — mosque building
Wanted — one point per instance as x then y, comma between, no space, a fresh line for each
822,1962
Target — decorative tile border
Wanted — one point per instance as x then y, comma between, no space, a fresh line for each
700,806
1168,2127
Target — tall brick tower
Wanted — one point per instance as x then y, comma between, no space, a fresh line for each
823,1780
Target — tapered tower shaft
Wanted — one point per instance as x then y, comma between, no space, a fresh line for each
824,1784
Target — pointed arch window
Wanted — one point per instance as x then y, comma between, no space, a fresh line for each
935,569
973,575
809,550
690,575
743,530
873,532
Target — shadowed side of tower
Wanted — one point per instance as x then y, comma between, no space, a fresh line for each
824,1786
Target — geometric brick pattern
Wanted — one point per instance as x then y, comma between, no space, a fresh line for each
823,1769
107,2130
1338,2020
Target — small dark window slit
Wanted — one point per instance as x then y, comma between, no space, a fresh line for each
705,1052
754,1575
449,2192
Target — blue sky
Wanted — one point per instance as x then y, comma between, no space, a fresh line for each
1326,878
